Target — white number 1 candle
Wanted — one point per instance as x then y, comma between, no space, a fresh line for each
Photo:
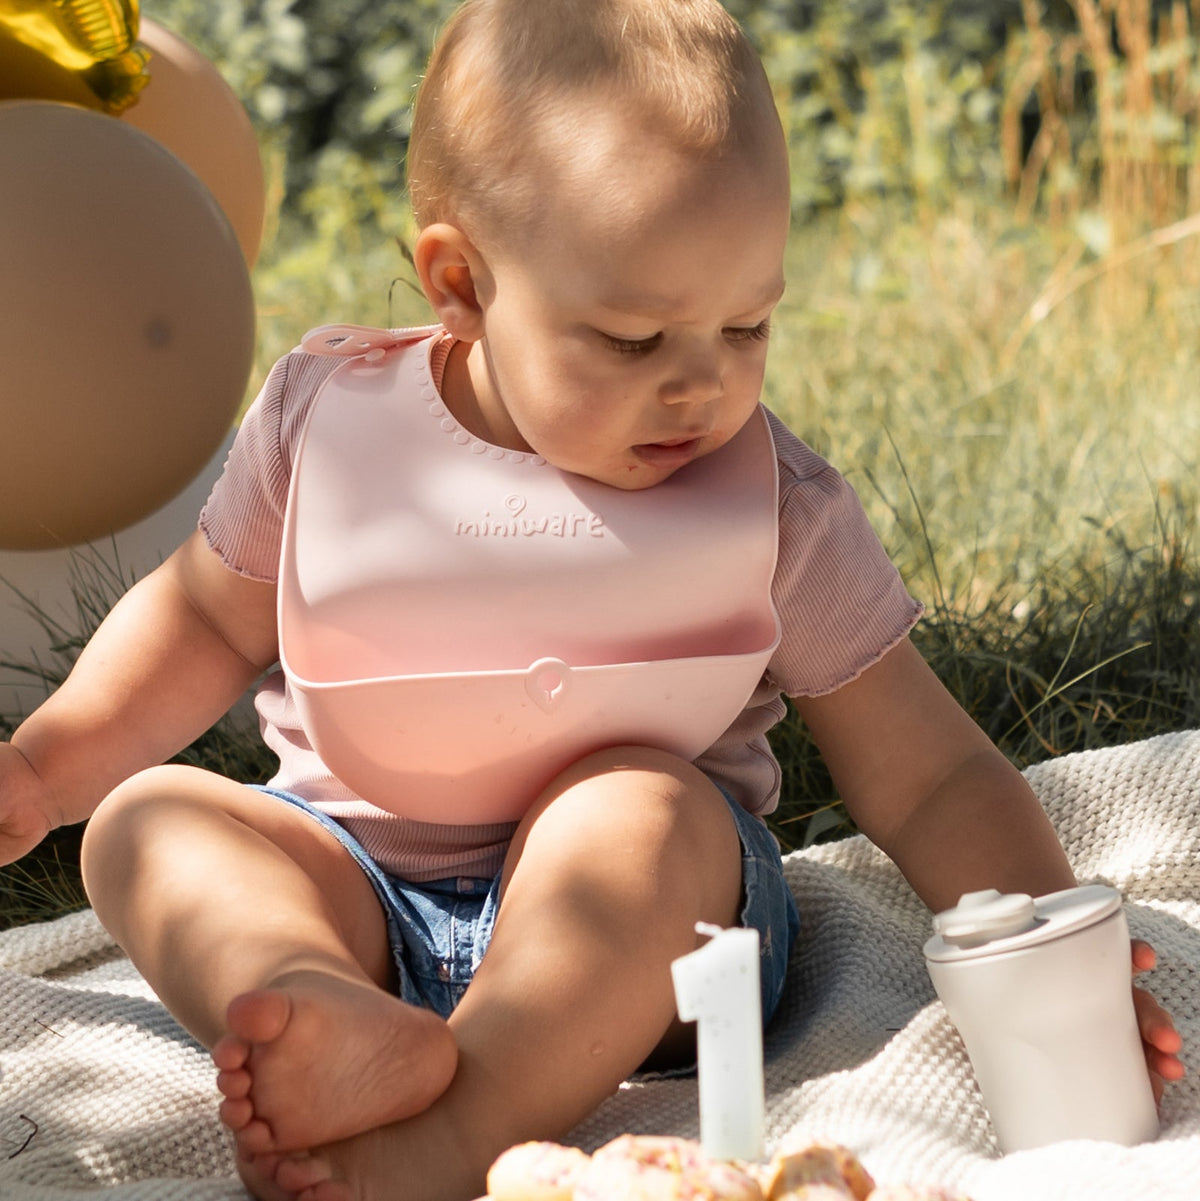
717,987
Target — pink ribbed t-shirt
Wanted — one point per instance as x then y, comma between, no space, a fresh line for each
840,600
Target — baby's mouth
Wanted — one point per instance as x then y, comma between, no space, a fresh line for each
671,452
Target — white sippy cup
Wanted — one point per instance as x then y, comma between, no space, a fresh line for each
1040,991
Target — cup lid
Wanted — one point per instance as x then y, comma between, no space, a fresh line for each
990,922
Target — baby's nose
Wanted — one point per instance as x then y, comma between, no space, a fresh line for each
696,378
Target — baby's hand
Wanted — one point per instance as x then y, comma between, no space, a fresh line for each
1160,1039
23,819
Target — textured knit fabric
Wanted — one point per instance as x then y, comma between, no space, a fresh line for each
841,603
125,1104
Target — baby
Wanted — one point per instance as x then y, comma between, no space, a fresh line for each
537,580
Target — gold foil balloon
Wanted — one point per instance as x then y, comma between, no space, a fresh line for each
194,113
96,39
126,325
27,74
185,104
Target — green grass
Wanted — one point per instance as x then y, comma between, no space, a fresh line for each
1033,479
1100,653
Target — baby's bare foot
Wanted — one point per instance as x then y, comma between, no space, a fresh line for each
299,1177
424,1158
317,1058
273,1177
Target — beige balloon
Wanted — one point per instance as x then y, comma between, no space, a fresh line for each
126,325
190,109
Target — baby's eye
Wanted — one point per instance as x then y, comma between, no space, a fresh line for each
630,345
749,333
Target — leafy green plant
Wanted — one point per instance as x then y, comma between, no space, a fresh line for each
884,97
316,74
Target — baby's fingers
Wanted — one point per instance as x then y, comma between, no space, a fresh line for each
1157,1029
1154,1022
1160,1041
1145,958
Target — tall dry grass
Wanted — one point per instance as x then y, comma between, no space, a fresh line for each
1115,153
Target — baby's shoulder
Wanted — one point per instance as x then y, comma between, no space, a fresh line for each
297,378
303,370
798,463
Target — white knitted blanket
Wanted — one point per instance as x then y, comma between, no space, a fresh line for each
124,1103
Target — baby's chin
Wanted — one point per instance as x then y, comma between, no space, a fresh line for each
633,479
644,467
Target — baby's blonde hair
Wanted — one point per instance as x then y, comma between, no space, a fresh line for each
502,70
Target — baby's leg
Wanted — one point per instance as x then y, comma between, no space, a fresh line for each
605,882
266,941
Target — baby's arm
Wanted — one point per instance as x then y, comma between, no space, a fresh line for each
175,652
928,787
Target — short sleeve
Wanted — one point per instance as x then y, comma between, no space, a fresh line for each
243,517
840,599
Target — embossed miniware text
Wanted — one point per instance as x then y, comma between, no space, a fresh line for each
518,524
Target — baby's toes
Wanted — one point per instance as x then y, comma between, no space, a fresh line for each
230,1053
260,1016
258,1175
235,1085
298,1173
254,1137
236,1113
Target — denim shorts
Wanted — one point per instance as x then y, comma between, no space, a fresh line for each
440,929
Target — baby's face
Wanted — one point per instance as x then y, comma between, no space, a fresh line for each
629,337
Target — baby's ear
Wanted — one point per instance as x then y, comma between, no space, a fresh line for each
454,279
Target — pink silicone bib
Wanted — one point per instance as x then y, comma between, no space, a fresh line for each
459,622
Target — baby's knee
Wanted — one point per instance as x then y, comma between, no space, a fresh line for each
125,818
119,807
634,766
131,796
109,841
642,793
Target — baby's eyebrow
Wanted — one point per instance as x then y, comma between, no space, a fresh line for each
652,304
772,295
